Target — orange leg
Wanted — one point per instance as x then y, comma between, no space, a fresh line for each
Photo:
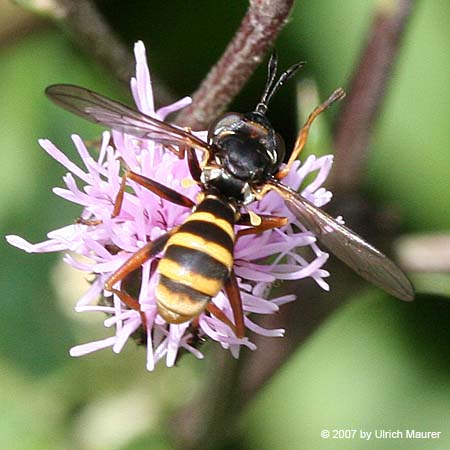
338,94
119,198
153,186
231,285
176,150
138,258
194,166
135,261
234,295
267,223
132,303
215,311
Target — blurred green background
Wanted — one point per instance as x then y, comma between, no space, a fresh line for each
374,364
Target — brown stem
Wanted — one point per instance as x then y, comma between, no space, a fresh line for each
366,94
202,423
15,24
209,420
257,32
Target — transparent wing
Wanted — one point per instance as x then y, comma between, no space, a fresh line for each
353,250
102,110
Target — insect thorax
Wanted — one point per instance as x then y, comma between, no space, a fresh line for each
245,152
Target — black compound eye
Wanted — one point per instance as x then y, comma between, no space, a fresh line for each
280,149
227,122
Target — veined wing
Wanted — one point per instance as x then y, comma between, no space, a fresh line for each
352,249
102,110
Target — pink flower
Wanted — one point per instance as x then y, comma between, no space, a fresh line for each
145,216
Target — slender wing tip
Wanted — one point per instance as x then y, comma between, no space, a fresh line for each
53,89
64,90
403,290
407,294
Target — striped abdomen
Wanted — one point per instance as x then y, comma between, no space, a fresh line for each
197,261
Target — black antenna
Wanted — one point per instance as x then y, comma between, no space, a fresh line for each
272,68
270,88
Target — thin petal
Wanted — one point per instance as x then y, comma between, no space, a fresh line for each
84,349
141,85
55,153
163,112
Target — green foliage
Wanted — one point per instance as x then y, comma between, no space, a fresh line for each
374,364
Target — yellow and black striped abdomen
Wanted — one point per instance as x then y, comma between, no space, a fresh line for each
197,261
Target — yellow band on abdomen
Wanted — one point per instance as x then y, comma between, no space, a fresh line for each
194,242
177,273
211,218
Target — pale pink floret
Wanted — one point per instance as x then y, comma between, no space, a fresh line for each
144,216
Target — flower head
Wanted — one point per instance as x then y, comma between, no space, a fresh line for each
106,242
